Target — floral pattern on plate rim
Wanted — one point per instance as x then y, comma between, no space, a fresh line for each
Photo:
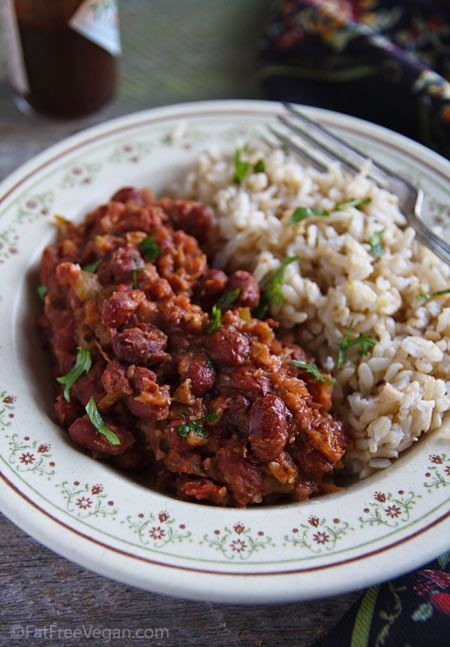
311,535
155,530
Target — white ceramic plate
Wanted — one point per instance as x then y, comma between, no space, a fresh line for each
374,530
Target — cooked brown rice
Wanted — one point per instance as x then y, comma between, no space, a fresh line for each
399,390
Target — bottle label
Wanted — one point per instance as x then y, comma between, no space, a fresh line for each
16,66
98,20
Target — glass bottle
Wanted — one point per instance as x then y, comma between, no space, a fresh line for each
62,54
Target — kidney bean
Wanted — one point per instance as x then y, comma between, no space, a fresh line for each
311,461
199,371
250,381
152,403
243,478
194,218
268,430
143,344
129,194
114,379
248,286
141,378
203,489
123,261
210,286
228,347
85,434
297,352
236,415
119,307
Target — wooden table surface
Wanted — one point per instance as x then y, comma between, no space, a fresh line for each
173,51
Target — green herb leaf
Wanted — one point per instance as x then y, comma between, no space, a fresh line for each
216,320
42,291
301,213
312,369
211,363
344,345
83,363
195,426
261,309
98,422
185,429
139,266
375,243
366,344
432,295
358,202
260,166
92,267
271,293
240,168
210,417
228,298
150,248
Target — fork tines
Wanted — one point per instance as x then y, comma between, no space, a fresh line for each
320,147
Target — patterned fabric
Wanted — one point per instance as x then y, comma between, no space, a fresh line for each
412,611
382,60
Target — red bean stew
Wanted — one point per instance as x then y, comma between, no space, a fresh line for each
162,368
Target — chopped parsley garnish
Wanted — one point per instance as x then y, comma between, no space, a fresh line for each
312,369
83,363
211,363
432,295
301,213
240,168
375,243
195,426
216,320
98,422
92,267
150,248
42,291
228,298
139,266
260,166
271,293
358,202
366,344
210,417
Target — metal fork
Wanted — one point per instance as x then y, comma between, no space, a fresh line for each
334,148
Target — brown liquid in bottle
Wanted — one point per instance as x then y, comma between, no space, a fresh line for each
68,75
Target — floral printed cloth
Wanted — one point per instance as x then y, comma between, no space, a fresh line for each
413,611
381,60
